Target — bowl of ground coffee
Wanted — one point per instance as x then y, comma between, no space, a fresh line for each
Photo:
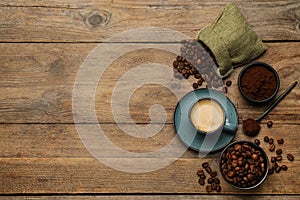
244,165
258,82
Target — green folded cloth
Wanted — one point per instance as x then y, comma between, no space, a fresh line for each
231,40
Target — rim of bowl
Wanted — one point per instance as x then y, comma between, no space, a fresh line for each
266,66
266,162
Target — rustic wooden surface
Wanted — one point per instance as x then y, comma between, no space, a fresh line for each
43,44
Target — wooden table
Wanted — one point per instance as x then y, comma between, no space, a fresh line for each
44,43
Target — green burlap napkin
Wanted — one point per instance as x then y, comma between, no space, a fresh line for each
231,40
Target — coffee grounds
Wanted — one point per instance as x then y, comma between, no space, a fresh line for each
258,83
251,127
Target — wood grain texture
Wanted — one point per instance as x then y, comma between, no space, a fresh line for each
37,158
87,175
160,196
94,21
44,43
36,83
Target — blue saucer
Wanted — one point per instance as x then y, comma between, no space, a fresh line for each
204,142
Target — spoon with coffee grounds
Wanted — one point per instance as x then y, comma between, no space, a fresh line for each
251,126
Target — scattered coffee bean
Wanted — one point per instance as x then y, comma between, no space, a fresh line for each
195,85
273,159
290,157
208,170
284,167
279,151
228,83
219,188
203,176
213,186
269,124
213,174
275,165
271,171
279,158
213,181
224,90
216,180
205,165
278,169
272,147
271,141
209,181
257,142
266,139
280,141
201,181
200,172
208,188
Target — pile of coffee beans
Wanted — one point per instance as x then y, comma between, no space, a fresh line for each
213,181
275,167
243,165
198,61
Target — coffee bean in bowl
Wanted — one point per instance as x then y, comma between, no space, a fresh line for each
244,165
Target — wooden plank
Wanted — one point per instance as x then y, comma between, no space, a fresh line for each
36,83
62,140
161,196
94,21
87,175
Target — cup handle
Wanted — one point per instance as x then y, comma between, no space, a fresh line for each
229,128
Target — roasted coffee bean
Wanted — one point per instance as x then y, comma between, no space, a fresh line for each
273,159
280,141
278,151
284,167
279,158
224,90
275,165
208,170
216,180
208,188
209,180
197,76
175,64
201,181
200,81
271,141
202,176
266,139
269,124
278,169
218,188
290,157
186,76
200,172
179,58
205,165
271,171
257,142
242,165
228,83
272,147
213,174
195,85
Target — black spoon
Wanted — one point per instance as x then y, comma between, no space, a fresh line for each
254,123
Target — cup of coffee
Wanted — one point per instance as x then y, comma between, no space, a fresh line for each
208,116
